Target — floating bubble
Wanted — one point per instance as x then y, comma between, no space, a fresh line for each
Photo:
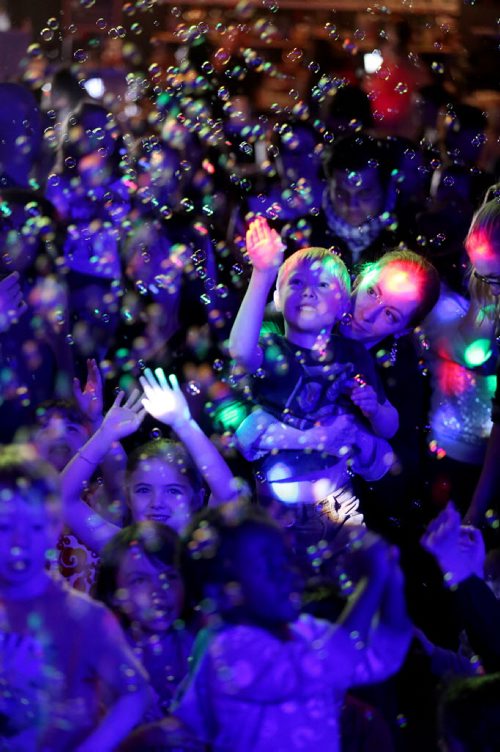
136,28
47,34
101,23
401,88
155,433
87,3
53,24
222,56
34,50
295,55
80,56
193,387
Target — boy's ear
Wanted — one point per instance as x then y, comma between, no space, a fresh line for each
276,299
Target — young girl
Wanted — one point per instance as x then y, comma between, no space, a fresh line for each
139,579
165,479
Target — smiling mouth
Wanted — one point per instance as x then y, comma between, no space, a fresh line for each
159,517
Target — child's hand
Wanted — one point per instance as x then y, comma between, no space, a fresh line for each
12,304
364,396
90,401
164,399
122,420
458,549
264,246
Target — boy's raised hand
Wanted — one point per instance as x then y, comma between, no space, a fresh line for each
123,419
264,246
163,398
90,400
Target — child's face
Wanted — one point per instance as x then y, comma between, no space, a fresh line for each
58,439
267,581
159,491
310,299
150,594
384,304
27,530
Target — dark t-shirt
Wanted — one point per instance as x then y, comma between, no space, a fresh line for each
302,387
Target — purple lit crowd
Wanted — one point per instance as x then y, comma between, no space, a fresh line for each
249,417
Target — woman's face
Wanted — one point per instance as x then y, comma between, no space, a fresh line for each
384,303
150,593
159,491
357,196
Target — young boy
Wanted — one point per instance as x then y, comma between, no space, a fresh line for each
308,436
264,678
82,661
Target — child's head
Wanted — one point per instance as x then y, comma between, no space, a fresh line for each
60,432
163,484
237,559
139,577
312,290
29,518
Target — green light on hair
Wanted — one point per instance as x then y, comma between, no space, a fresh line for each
370,275
477,353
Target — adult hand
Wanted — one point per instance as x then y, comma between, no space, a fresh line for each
163,398
264,246
90,400
458,549
336,438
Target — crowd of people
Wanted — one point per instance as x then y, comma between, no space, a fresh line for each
249,414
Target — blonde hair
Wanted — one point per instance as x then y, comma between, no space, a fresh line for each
485,224
322,257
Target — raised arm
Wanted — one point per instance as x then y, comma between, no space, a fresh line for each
265,250
376,615
120,421
489,481
112,466
164,400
